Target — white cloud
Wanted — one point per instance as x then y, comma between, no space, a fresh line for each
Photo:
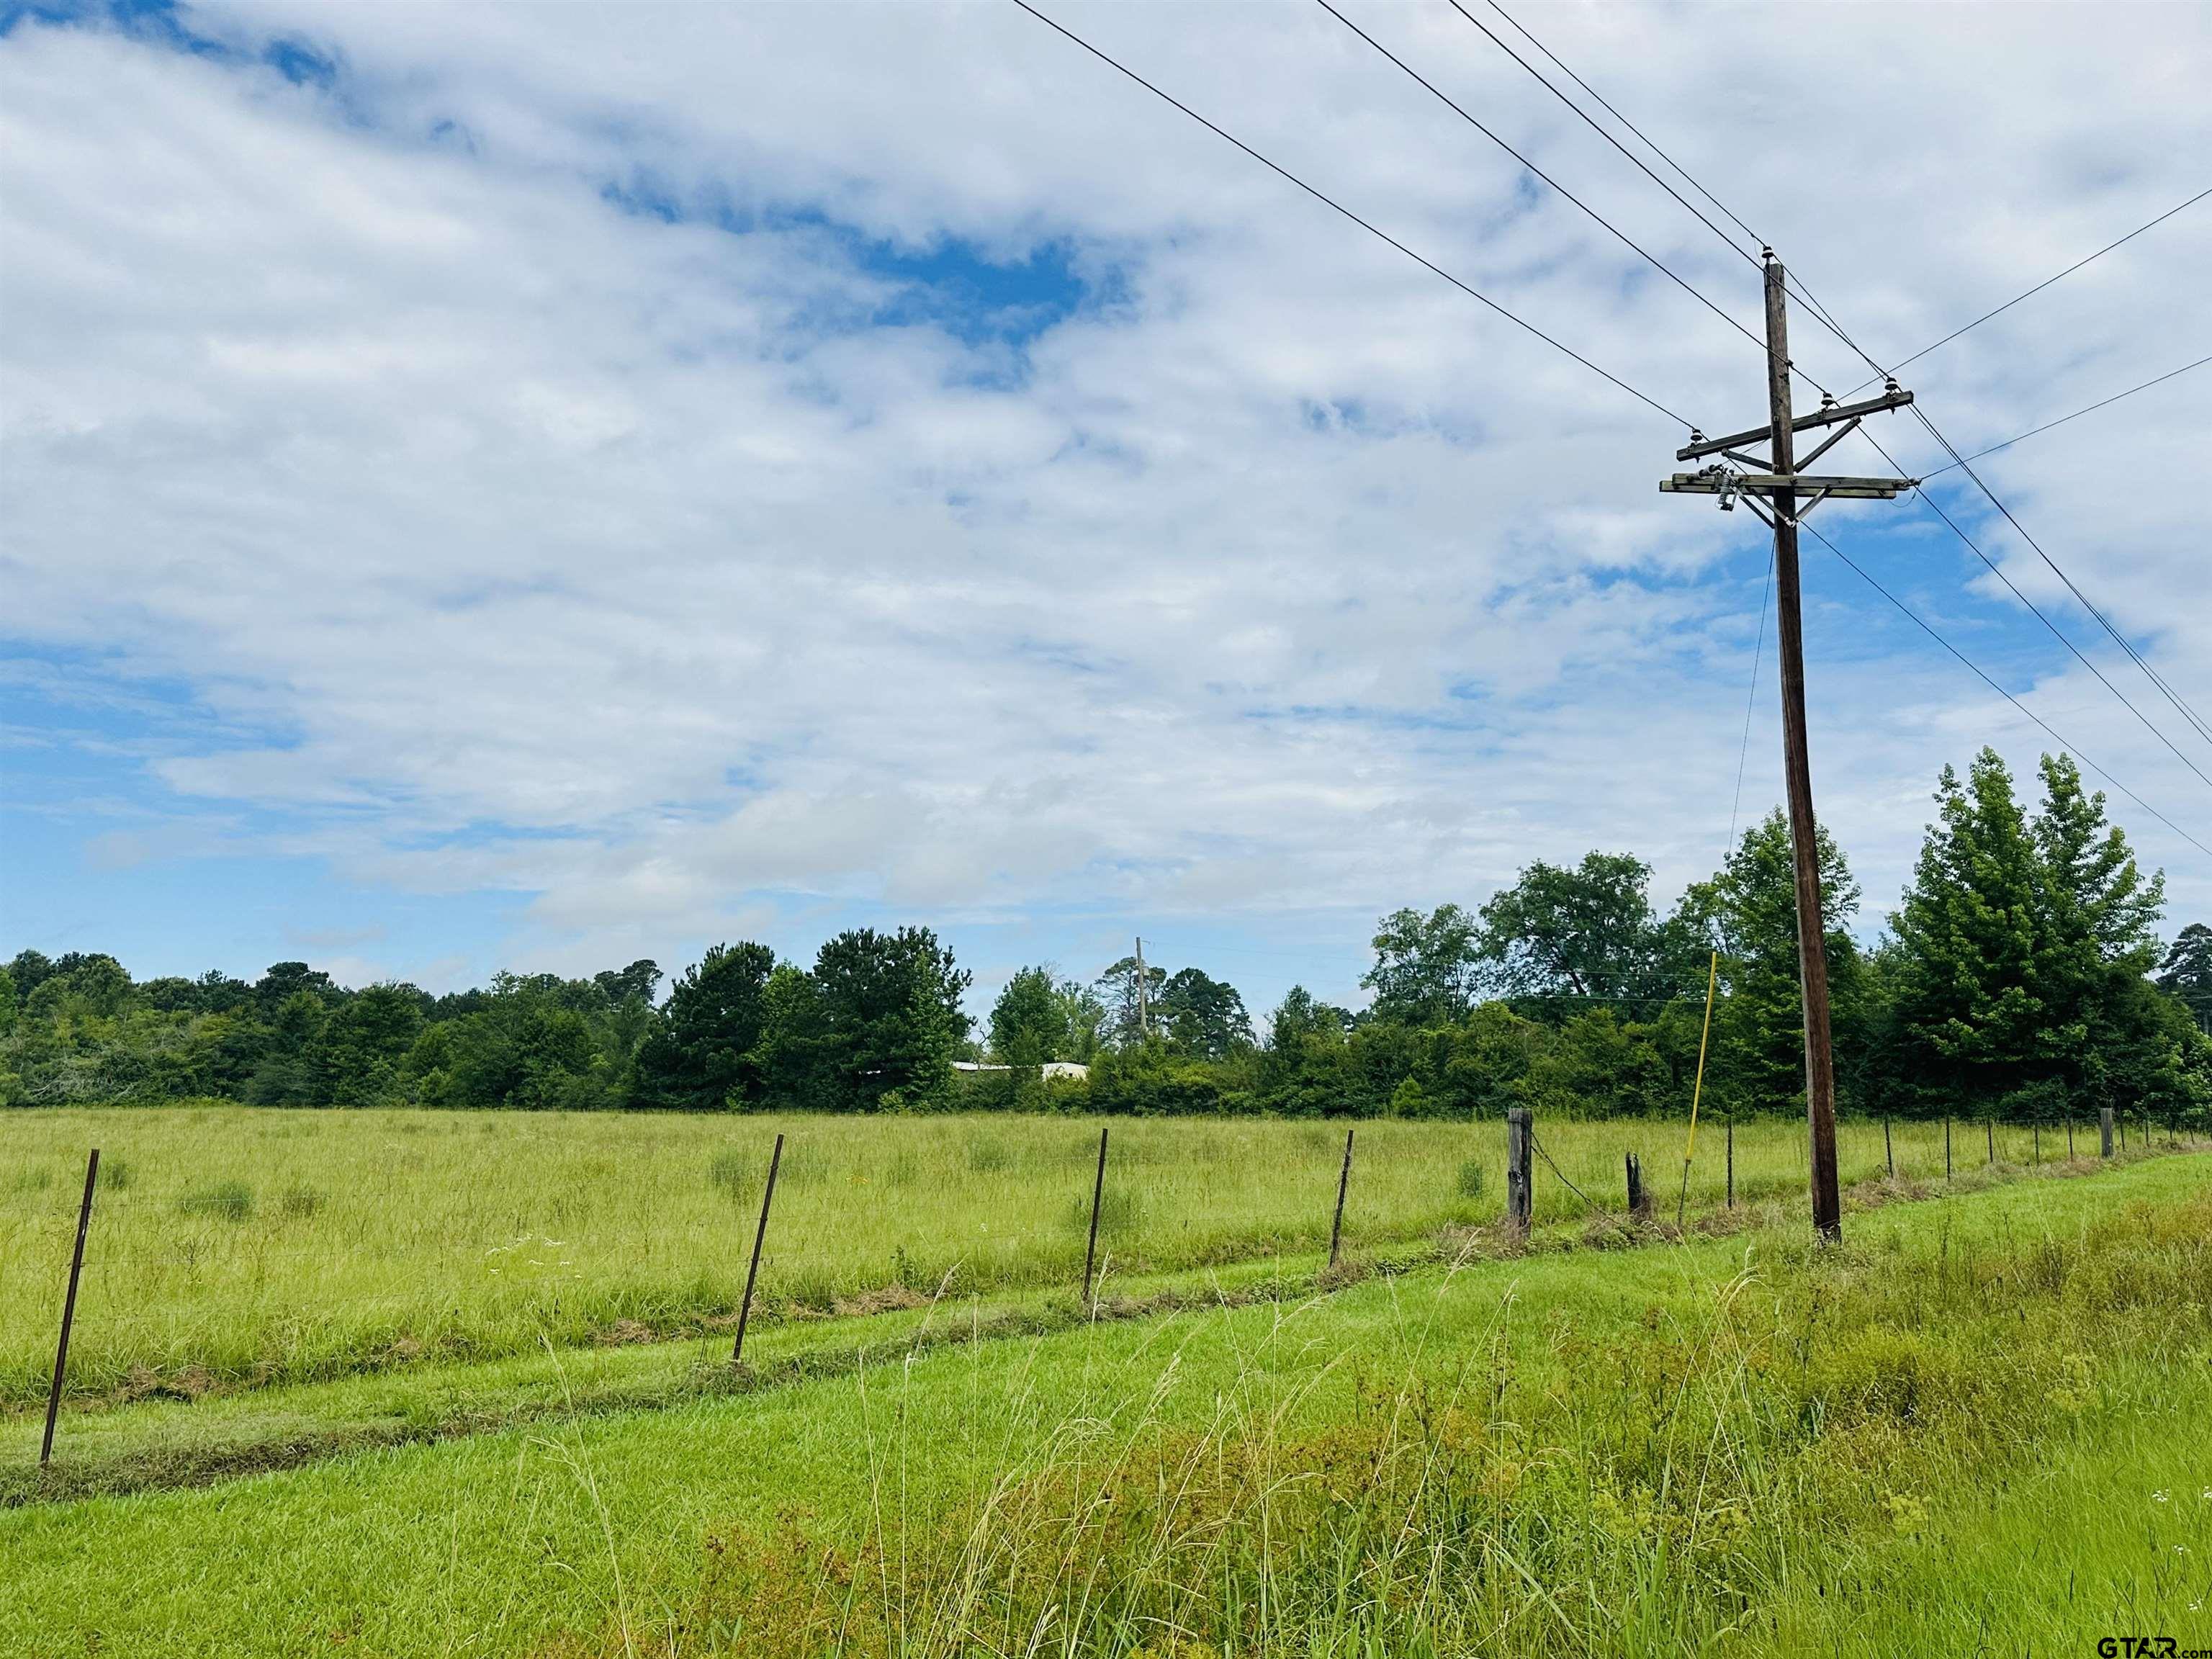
557,549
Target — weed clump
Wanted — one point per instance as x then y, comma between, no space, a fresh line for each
227,1200
299,1203
734,1172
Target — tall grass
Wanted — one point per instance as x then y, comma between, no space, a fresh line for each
264,1245
1759,1477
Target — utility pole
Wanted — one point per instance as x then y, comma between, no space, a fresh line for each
1772,487
1144,1024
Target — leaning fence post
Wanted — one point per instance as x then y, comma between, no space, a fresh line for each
1990,1128
1098,1195
69,1307
760,1233
2104,1130
1889,1154
2069,1137
1520,1168
1343,1181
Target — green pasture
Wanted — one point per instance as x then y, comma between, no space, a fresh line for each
1976,1428
243,1246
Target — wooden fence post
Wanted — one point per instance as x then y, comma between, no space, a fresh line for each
1343,1183
2039,1143
1098,1196
1888,1152
1946,1149
1520,1168
1639,1200
760,1234
2069,1137
2104,1130
69,1307
1990,1128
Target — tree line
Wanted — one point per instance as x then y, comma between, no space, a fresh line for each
2020,975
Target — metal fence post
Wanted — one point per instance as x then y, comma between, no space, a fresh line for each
1343,1183
1098,1195
69,1307
760,1233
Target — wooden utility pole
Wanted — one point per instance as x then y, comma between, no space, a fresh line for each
1773,489
1798,774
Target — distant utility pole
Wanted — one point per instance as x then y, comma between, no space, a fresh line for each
1772,488
1143,1026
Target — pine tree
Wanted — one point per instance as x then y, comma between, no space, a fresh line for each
2095,913
1968,1013
1750,908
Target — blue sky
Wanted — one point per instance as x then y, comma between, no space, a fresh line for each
537,487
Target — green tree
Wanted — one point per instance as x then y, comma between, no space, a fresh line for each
1131,1000
894,1018
358,1057
1426,970
1085,1013
702,1055
2186,972
286,1074
2095,914
1969,1018
795,1051
1562,937
285,979
639,981
1750,908
1203,1016
1030,1022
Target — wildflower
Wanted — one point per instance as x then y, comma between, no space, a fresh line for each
2159,1497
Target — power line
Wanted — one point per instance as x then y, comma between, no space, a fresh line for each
1450,103
1819,312
2102,404
1958,461
1607,137
1998,571
2045,283
1654,404
2125,644
1929,628
1372,229
1750,699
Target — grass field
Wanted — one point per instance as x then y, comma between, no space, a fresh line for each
236,1245
1977,1428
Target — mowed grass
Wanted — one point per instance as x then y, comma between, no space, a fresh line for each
241,1246
1976,1428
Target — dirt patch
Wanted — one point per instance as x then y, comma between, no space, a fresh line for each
889,1298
